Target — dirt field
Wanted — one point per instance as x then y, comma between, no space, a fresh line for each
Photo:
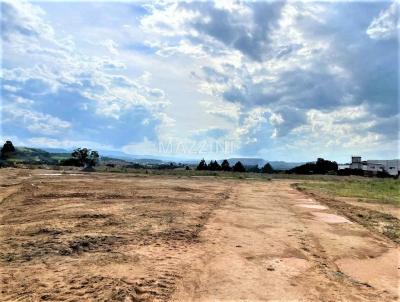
121,237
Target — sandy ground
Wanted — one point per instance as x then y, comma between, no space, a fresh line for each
119,237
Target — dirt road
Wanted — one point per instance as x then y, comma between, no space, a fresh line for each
270,243
107,237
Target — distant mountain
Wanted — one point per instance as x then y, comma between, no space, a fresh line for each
56,150
246,161
276,165
54,155
111,154
282,165
148,161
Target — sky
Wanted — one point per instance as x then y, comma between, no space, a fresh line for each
280,80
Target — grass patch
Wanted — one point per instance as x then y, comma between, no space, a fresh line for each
376,190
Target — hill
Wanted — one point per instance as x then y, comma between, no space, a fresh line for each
52,156
276,165
35,156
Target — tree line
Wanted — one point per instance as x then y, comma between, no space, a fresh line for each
213,165
84,157
321,166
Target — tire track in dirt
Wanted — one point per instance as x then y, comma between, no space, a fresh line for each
261,247
378,222
106,237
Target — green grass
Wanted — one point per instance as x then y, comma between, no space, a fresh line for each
376,190
219,174
34,156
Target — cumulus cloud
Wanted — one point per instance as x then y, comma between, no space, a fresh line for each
279,62
270,75
33,121
21,19
68,89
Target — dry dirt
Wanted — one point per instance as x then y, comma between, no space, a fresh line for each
383,219
121,237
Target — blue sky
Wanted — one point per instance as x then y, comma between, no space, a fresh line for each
279,80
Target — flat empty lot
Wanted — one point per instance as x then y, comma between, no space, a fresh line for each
121,237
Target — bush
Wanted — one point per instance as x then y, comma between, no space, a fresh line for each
253,169
348,172
383,174
74,162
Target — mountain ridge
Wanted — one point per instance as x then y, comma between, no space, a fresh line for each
52,155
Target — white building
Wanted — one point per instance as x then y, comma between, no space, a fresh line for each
356,162
392,166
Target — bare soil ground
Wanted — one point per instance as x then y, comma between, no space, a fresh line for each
380,218
120,237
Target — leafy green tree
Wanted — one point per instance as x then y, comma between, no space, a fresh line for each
267,169
93,158
202,165
225,165
85,156
7,149
238,167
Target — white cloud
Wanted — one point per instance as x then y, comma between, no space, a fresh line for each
56,65
36,122
300,65
265,72
111,46
22,20
144,148
386,25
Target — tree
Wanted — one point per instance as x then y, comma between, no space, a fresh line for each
225,165
267,169
8,148
214,166
93,158
85,157
238,167
321,166
202,165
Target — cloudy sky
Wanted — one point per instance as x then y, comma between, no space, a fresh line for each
280,80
